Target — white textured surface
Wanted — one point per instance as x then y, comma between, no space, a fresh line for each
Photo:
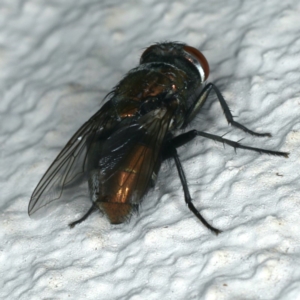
58,59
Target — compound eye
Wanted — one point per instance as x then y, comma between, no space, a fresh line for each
199,60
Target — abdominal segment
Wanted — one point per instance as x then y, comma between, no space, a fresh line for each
118,189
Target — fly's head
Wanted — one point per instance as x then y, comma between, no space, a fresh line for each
184,57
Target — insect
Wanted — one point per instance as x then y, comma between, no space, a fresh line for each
121,147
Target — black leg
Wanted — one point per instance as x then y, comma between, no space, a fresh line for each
172,152
90,211
190,135
196,106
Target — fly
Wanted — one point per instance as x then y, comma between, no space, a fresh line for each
121,147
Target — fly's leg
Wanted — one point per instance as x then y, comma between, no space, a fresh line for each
90,211
198,103
170,151
190,135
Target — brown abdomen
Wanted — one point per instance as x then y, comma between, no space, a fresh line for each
121,189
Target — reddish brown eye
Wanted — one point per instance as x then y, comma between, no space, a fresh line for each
196,57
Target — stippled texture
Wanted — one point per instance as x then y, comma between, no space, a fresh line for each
58,59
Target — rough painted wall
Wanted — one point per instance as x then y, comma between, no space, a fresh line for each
58,59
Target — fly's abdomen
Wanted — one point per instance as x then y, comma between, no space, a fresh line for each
118,190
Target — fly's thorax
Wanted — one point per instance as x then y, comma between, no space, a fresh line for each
150,80
152,86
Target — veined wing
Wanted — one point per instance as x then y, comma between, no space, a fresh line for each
71,161
131,156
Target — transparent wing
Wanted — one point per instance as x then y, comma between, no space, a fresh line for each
70,162
147,161
131,155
